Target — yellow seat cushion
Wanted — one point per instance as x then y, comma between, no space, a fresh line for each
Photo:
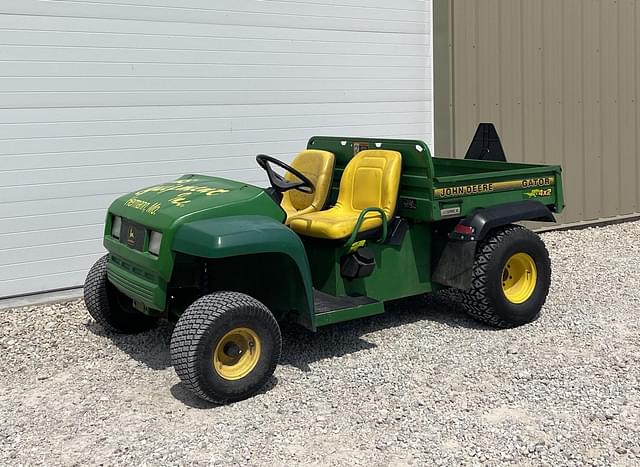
318,167
371,179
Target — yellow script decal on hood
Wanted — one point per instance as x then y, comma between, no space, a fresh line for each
180,186
180,199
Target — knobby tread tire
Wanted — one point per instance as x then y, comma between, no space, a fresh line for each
102,305
190,334
476,301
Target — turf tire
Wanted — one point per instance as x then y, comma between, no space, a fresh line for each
201,327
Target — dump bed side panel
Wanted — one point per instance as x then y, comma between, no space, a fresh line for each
458,196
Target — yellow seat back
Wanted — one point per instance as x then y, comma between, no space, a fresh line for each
318,167
371,179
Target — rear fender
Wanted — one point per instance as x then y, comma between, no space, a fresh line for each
249,246
485,220
455,266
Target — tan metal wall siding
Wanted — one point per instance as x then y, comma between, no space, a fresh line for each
560,80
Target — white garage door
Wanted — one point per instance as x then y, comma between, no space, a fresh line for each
100,97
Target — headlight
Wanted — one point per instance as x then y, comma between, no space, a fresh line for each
154,243
116,225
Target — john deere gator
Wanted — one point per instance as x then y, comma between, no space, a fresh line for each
349,225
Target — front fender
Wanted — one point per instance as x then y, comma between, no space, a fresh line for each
242,236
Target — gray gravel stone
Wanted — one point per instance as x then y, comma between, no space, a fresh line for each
420,385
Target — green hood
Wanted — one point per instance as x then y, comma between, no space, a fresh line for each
191,198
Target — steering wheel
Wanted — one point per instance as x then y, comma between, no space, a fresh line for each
278,182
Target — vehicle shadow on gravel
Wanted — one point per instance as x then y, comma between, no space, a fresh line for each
151,348
189,399
301,347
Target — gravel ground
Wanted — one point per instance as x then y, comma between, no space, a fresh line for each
421,385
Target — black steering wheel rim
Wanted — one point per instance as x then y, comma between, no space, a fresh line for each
278,182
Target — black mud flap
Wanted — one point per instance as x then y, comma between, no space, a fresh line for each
486,145
455,266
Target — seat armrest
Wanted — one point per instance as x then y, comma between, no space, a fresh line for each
356,229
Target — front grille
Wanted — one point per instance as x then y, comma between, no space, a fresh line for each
138,291
135,283
132,269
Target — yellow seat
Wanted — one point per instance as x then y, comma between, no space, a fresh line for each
371,179
318,167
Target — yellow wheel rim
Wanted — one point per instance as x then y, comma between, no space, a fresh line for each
236,354
519,278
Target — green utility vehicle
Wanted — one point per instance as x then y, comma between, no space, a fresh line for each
351,224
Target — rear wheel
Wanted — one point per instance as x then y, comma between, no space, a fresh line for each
225,347
511,278
108,306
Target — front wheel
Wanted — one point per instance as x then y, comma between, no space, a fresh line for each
511,278
225,347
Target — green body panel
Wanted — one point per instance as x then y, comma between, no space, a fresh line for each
219,234
401,271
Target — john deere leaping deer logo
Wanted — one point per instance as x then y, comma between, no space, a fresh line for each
131,236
